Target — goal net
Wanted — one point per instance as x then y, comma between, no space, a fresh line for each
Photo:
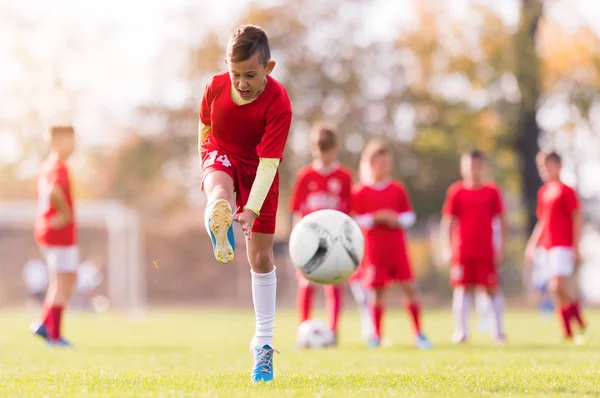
108,232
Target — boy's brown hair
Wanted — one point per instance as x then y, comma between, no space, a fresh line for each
553,156
57,131
325,138
246,41
374,148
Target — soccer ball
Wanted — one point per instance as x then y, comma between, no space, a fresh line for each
326,246
314,333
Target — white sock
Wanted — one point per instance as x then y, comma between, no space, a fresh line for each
484,310
264,292
498,307
461,306
361,297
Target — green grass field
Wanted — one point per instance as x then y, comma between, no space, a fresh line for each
205,354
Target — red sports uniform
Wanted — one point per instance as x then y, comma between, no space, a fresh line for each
54,172
556,204
472,239
242,134
317,190
386,259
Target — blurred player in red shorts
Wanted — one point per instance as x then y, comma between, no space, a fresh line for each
382,208
245,119
558,230
324,184
55,233
468,215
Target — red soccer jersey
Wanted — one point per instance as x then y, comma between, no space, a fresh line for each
384,245
317,190
54,172
556,204
251,131
474,209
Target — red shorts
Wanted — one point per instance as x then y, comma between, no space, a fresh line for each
242,174
474,271
383,274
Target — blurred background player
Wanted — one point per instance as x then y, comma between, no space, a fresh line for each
467,227
558,230
382,208
56,234
324,184
540,272
245,119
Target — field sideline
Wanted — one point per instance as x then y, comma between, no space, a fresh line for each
205,353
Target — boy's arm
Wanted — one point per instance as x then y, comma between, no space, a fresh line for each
577,223
265,174
533,242
63,215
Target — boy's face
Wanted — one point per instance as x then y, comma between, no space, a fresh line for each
552,169
381,164
63,144
325,157
248,77
472,168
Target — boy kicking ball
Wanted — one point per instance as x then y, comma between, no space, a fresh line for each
245,119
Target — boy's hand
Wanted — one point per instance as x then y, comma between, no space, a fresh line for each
386,217
246,220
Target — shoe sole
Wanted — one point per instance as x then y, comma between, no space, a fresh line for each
220,222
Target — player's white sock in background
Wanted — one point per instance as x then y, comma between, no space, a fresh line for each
483,307
498,309
361,297
461,307
264,292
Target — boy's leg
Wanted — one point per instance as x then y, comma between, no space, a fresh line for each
413,309
487,277
333,295
62,263
377,310
361,298
264,293
463,280
304,298
218,215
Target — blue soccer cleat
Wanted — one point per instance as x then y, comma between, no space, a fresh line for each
422,342
263,363
219,224
374,342
60,342
39,329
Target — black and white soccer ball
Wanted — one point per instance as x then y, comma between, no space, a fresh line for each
326,246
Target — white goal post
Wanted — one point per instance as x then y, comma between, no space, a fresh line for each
126,279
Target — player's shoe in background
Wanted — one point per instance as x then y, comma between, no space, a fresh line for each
459,338
422,342
219,224
263,363
60,342
334,340
500,339
374,342
580,338
39,329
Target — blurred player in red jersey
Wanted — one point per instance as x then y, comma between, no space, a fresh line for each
324,184
56,233
469,212
245,119
382,208
558,230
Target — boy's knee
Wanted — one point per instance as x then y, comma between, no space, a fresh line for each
261,261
